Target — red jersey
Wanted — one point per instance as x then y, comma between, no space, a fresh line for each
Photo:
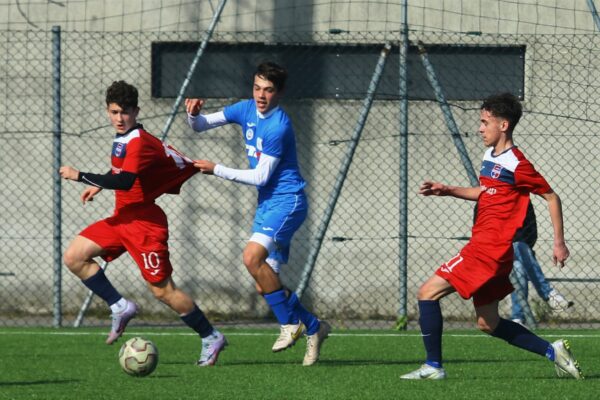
159,167
506,180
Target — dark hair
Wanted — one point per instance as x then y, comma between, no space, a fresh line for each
273,73
123,94
504,105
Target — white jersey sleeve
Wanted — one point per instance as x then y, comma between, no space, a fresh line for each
258,176
201,122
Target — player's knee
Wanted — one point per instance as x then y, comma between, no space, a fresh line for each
252,262
425,292
72,259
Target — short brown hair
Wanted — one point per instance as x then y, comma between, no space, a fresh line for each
504,105
123,94
273,73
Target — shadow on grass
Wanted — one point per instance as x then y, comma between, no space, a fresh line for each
231,363
323,363
45,382
350,363
487,361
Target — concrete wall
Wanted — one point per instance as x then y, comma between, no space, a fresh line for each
489,16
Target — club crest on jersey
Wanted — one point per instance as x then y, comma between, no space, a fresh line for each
249,134
119,150
496,171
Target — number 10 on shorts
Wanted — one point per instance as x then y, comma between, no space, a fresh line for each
151,262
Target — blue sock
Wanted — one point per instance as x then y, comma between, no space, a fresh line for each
293,316
432,325
101,286
310,321
198,322
519,336
277,300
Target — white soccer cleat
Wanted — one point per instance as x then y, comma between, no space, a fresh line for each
426,372
288,335
120,321
557,302
564,362
314,342
212,345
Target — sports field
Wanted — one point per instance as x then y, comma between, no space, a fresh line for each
76,364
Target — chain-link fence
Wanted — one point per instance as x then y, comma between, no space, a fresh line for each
356,278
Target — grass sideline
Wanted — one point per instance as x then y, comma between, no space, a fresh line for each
46,363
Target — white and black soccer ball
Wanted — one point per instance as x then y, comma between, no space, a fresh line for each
138,356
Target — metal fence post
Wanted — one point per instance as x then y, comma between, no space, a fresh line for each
56,161
402,319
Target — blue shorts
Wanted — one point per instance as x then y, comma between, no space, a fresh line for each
279,217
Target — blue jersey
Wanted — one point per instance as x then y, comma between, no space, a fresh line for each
271,134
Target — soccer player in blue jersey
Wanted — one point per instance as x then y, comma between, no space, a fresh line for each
282,204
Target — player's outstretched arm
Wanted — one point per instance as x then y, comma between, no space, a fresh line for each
258,176
121,181
560,250
430,188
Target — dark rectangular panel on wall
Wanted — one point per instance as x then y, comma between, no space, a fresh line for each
336,71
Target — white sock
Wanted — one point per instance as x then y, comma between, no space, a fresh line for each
119,306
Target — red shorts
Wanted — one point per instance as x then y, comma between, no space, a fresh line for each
473,274
142,230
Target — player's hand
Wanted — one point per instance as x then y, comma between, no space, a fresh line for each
193,106
205,166
561,253
89,193
429,188
68,173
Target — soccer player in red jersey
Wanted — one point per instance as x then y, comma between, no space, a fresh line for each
143,168
481,269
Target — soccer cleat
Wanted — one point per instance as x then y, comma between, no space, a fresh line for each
564,362
426,372
314,342
557,302
288,335
120,321
212,345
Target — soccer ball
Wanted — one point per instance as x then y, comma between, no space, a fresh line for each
138,356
